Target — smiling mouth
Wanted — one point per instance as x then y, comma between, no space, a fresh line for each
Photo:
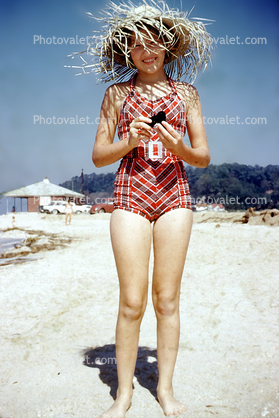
149,60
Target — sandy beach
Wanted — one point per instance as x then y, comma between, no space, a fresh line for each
58,312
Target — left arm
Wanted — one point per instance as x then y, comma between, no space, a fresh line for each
198,154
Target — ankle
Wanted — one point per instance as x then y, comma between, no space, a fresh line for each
164,390
124,393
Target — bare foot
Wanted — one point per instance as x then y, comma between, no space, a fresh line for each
119,407
170,405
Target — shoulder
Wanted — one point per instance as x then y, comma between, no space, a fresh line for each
188,94
115,96
117,90
186,91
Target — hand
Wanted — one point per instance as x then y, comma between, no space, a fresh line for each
171,140
139,129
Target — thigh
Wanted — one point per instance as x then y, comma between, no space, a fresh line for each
131,243
171,236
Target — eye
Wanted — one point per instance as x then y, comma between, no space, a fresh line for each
154,45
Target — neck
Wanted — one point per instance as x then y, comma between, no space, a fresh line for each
150,79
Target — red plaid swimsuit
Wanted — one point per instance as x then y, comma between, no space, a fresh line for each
145,186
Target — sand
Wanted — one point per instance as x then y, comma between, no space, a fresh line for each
58,311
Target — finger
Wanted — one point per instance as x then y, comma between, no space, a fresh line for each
144,126
167,140
167,133
141,129
169,128
143,119
140,133
143,135
141,123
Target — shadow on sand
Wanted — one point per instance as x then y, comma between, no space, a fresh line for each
104,359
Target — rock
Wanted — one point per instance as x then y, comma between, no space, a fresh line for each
41,241
16,252
268,217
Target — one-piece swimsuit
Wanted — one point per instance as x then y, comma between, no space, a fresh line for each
153,186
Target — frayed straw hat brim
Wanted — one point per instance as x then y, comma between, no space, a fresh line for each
186,42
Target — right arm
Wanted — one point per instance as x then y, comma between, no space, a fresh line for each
105,151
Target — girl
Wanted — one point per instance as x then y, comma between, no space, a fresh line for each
69,211
151,196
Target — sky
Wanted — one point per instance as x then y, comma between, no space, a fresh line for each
239,92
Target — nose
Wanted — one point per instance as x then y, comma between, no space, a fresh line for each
150,50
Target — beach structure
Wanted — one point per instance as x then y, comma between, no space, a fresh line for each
41,193
216,207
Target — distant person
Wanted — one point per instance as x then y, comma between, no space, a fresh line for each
142,49
69,211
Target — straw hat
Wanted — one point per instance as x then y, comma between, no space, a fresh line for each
187,43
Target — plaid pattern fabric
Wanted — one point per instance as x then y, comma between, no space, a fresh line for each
142,185
136,105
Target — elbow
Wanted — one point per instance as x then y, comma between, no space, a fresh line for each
206,160
96,161
97,164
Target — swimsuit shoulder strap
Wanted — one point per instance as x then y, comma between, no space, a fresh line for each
132,83
172,85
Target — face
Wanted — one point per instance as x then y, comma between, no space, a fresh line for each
149,58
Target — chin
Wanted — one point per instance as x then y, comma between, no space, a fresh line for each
153,69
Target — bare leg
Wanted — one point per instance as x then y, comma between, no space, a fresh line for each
131,242
171,237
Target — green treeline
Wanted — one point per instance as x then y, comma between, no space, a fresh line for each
236,186
93,183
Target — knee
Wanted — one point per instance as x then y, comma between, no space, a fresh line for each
165,305
132,309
